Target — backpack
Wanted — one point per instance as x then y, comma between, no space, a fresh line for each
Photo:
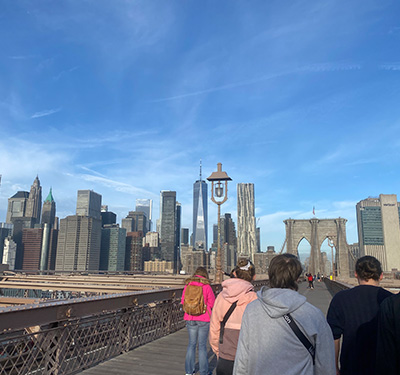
193,303
310,278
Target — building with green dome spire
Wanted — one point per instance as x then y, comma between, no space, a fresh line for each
49,210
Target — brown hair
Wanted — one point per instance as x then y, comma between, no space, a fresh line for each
368,267
283,271
248,274
201,271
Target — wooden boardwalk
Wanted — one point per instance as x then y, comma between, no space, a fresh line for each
166,356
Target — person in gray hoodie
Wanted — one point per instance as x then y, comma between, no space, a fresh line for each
267,344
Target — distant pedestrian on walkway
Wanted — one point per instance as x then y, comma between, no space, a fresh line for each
197,300
388,345
237,292
310,281
353,315
281,333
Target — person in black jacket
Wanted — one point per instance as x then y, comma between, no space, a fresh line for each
388,346
353,315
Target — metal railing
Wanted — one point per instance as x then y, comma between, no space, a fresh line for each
69,336
335,286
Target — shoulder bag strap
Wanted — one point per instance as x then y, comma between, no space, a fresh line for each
222,324
300,335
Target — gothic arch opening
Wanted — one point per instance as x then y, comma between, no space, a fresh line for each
304,252
326,257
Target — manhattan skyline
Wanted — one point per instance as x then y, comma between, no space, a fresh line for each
125,98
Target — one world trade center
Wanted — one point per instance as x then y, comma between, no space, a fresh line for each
200,214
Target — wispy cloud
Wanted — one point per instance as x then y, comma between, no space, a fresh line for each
21,57
390,66
117,185
228,86
362,161
46,112
64,72
331,67
319,67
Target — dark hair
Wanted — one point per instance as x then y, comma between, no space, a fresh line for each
283,271
248,274
368,267
201,271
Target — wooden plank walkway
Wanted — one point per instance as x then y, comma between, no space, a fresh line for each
167,355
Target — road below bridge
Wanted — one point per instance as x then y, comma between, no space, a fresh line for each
167,355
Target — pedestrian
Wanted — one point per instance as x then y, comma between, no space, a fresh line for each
388,344
281,333
237,292
353,316
310,281
197,300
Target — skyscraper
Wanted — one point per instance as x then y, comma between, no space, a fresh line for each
5,231
24,211
379,229
177,251
146,206
246,231
200,214
32,242
168,227
151,246
49,210
34,202
107,217
135,221
113,242
78,247
228,242
10,252
185,236
88,204
79,239
17,206
134,251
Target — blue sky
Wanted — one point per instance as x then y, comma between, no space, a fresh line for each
125,97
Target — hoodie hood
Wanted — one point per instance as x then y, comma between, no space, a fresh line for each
278,302
237,290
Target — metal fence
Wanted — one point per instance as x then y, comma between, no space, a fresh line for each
68,336
335,286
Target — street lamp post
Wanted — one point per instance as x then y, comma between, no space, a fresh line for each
221,193
332,245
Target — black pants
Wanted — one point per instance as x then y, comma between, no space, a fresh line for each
224,366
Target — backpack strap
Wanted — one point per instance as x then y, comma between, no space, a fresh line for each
224,320
300,335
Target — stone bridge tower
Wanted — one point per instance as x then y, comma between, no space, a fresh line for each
316,231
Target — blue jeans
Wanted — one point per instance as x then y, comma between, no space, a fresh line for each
198,331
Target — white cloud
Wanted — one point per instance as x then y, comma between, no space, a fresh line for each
46,112
117,185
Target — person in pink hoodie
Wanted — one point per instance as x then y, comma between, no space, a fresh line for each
198,325
240,290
